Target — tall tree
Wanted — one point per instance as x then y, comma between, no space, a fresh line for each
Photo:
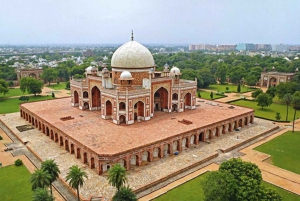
125,194
284,88
117,176
207,76
3,87
271,91
34,86
49,74
236,74
287,98
52,168
255,93
264,100
40,179
76,177
23,84
221,72
41,194
296,105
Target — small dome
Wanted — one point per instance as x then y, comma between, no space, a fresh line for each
105,70
89,69
175,70
296,58
125,75
132,55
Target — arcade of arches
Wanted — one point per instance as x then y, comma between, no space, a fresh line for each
135,157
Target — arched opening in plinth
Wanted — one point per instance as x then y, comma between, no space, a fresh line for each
229,127
36,124
166,150
161,98
108,108
76,98
184,143
217,133
29,118
134,160
176,146
78,155
209,134
223,129
96,99
51,135
47,131
201,137
61,141
246,121
187,100
32,121
251,119
122,119
174,107
105,167
122,162
67,145
240,123
156,153
55,137
193,139
145,156
72,148
40,126
85,158
86,106
235,125
92,163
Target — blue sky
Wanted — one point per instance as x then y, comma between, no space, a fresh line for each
153,21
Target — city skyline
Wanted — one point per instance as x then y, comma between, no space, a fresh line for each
153,22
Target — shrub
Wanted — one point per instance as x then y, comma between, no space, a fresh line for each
227,91
227,88
1,138
18,162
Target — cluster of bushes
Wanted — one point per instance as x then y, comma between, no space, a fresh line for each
24,98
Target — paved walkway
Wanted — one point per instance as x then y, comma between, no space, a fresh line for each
30,161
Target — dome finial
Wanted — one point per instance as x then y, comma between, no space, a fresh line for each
132,35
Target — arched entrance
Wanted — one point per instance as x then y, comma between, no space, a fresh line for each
61,141
122,119
176,146
78,155
166,150
246,121
134,160
139,110
187,101
72,148
146,156
92,163
272,82
240,123
161,99
96,99
86,106
55,137
193,140
33,75
108,108
67,145
184,143
105,167
251,119
174,107
122,162
51,135
76,98
85,158
223,129
47,131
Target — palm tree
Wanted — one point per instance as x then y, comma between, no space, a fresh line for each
125,194
287,98
51,167
296,105
117,176
76,177
41,194
40,179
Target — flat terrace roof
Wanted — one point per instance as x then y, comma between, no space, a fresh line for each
104,137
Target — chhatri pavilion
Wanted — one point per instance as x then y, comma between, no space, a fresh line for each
133,114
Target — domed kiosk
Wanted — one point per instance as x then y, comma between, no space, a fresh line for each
133,90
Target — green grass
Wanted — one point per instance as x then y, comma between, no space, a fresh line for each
206,95
14,183
232,87
268,112
13,92
286,195
188,191
12,104
284,151
192,191
61,85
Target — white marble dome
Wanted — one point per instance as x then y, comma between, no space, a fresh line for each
89,69
125,75
132,55
175,70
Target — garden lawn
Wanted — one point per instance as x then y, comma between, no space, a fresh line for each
206,95
14,183
192,191
286,195
61,85
284,151
268,112
13,92
232,88
11,105
188,191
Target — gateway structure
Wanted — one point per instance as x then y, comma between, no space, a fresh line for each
162,108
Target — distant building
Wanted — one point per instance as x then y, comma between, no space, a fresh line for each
263,47
274,78
209,47
245,47
280,48
294,48
226,47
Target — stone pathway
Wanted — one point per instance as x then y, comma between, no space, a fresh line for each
97,185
